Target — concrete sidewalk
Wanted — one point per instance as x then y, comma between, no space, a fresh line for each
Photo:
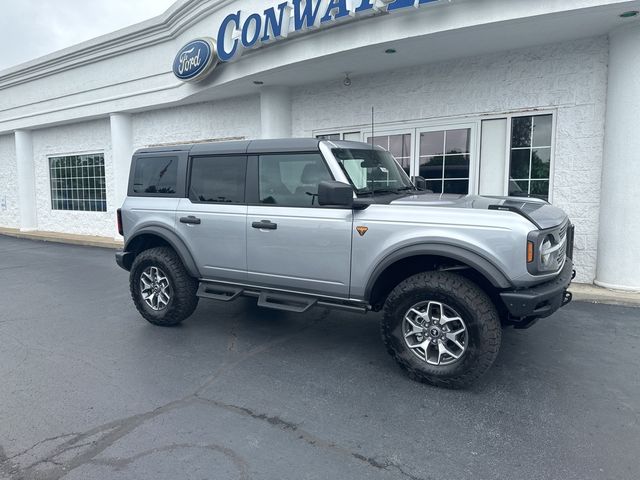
88,240
581,292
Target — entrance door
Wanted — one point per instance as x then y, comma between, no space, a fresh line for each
292,242
444,158
212,220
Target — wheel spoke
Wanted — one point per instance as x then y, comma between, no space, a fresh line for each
440,308
442,350
415,328
444,320
453,336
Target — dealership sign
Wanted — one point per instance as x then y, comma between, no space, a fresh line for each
238,32
195,60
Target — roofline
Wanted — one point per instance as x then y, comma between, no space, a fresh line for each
240,147
166,26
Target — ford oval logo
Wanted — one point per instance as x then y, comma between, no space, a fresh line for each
195,60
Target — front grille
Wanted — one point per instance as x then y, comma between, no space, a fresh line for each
562,236
563,230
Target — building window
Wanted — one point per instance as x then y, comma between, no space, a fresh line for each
351,136
78,183
329,136
530,159
444,160
399,145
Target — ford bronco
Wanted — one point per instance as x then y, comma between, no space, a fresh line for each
303,223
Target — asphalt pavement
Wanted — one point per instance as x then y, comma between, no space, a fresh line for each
89,390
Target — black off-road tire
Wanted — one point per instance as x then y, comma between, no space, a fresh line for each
183,300
484,331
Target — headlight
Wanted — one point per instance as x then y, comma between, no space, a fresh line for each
545,251
548,255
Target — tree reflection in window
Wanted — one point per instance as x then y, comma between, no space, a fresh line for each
530,162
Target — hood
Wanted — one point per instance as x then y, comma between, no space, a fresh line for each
542,214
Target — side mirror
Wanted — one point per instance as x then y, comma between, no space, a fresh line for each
335,193
420,183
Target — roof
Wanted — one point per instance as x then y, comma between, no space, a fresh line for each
248,147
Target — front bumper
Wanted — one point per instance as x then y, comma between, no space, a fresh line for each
527,305
124,259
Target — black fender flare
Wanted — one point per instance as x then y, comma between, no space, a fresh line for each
174,241
472,259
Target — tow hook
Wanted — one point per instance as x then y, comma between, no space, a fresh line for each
568,296
573,274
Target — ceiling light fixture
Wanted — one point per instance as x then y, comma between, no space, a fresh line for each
630,14
347,81
258,82
390,50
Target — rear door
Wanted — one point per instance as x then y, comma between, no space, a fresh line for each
292,242
212,219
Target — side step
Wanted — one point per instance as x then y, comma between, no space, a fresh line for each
219,292
289,303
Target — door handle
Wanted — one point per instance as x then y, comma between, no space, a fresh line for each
265,225
190,220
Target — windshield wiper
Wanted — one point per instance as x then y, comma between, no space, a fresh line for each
383,191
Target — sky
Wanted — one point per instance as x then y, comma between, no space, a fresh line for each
33,28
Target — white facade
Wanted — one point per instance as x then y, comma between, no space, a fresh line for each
458,64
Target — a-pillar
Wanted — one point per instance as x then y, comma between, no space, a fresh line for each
618,255
26,180
122,150
275,112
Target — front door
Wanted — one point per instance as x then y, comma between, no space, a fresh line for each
212,220
292,242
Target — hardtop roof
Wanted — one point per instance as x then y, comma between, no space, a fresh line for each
248,147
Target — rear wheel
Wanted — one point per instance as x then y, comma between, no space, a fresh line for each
161,288
441,328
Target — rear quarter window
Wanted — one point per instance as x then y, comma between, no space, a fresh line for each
155,176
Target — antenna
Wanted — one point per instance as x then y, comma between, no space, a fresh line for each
372,128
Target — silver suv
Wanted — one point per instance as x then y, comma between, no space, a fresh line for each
299,223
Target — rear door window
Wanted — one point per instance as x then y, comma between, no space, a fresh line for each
156,176
218,179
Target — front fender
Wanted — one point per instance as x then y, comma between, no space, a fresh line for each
470,258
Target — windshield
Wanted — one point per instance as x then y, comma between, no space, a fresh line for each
372,171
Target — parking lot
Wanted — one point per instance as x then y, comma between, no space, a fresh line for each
91,391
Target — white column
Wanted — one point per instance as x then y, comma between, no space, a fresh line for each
618,256
275,112
122,150
26,180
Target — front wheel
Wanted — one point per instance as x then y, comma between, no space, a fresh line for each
441,328
161,287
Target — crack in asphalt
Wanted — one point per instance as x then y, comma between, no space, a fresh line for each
308,437
122,463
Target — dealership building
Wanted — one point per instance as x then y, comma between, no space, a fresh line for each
518,97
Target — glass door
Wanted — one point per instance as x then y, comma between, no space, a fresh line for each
446,158
399,144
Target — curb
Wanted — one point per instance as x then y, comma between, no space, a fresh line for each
83,240
583,292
